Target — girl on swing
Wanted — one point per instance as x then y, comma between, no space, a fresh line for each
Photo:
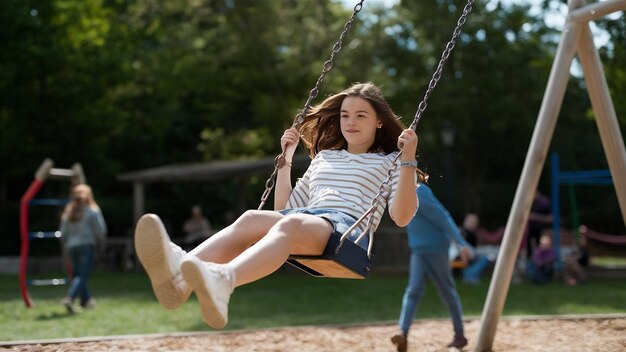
353,137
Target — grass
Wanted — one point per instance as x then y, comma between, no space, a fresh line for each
609,261
126,304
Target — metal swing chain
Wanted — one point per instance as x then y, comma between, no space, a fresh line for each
418,114
279,161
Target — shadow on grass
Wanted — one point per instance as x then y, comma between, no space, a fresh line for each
54,316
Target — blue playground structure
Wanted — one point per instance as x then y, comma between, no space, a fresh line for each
570,178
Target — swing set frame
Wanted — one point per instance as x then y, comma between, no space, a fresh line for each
576,38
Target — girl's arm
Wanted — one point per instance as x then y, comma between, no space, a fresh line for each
405,200
64,229
288,143
99,227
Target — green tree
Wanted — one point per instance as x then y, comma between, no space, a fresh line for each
120,86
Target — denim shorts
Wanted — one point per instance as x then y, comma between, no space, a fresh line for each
340,221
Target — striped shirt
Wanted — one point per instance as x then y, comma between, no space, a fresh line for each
339,180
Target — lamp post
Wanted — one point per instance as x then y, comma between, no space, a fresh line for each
448,135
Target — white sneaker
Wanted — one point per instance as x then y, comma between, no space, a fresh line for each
213,285
161,258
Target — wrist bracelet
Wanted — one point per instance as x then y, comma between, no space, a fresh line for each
286,163
281,161
412,164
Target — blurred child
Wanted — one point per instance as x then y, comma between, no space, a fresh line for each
83,233
543,260
576,263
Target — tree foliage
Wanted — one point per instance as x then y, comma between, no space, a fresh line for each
124,85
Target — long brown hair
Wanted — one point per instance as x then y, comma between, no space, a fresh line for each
81,197
321,130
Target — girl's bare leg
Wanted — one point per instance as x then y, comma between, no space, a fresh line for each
293,234
259,242
232,240
259,255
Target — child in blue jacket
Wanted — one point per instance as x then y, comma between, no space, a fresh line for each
429,235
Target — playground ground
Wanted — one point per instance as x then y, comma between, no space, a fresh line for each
574,333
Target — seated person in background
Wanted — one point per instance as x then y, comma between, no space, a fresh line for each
476,235
540,218
469,228
472,263
197,228
543,259
575,264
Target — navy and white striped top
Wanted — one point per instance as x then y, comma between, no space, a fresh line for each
347,182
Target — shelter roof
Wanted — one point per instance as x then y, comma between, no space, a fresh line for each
208,171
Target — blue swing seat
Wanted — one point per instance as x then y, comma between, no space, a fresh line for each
345,260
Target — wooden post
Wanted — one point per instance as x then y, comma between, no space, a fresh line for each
138,200
79,175
604,111
44,170
527,186
596,10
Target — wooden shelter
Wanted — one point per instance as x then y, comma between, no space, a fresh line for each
238,170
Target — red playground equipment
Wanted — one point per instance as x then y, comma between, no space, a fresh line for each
46,171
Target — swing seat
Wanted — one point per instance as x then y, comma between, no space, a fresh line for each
350,261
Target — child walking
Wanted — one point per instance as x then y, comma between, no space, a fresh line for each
429,235
353,138
83,232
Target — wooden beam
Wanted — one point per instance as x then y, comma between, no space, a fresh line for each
597,10
44,169
79,175
606,118
527,186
